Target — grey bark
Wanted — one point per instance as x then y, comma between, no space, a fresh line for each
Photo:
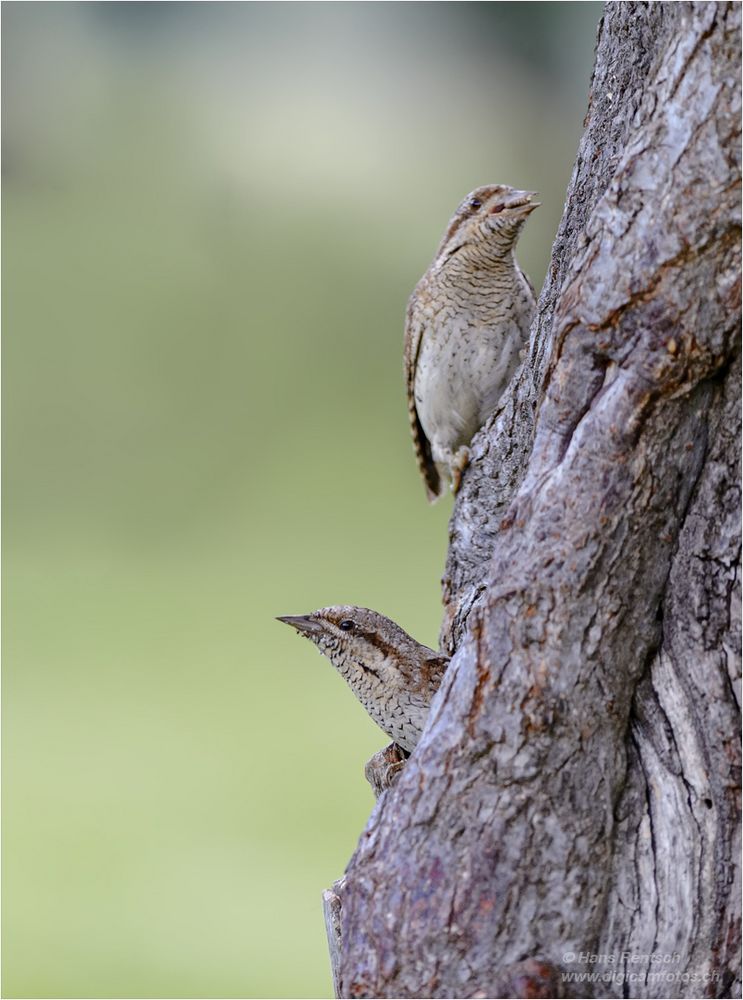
572,808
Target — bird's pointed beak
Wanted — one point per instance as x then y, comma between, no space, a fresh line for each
524,203
304,624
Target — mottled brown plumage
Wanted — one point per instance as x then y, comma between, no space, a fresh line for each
393,676
467,322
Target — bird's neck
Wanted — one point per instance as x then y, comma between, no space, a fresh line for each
477,262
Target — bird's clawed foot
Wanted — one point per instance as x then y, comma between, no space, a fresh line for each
384,768
459,463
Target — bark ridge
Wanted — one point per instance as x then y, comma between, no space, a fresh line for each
569,823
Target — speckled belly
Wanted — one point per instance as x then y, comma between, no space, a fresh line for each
460,376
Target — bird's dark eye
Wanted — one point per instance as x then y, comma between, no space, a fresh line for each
475,203
346,624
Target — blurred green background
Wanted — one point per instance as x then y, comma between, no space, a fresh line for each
213,216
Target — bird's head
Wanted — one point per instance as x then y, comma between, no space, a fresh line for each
365,646
487,223
392,675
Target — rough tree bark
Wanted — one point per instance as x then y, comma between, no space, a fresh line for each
569,823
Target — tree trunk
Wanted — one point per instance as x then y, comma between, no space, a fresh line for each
569,823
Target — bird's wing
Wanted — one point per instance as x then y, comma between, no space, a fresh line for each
431,673
438,665
414,327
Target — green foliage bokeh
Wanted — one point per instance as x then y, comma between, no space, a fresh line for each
213,216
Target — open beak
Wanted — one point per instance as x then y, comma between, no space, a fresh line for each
520,204
524,205
304,624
